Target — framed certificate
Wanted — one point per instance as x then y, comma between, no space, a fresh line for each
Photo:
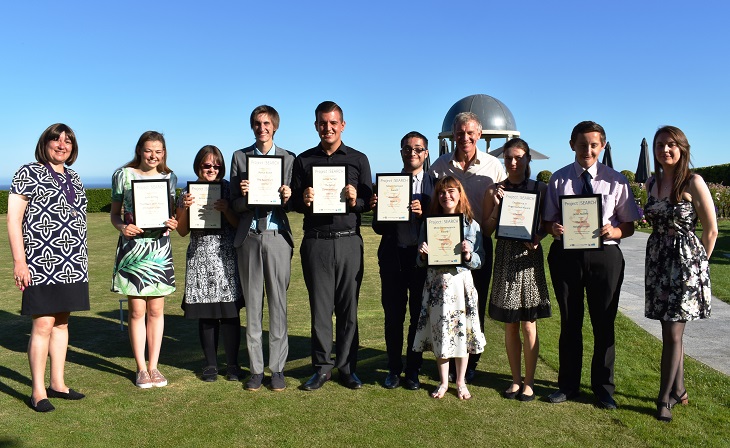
328,182
265,177
518,215
202,215
394,197
582,216
444,234
151,202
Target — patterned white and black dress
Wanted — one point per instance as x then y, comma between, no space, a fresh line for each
54,235
677,269
212,288
519,288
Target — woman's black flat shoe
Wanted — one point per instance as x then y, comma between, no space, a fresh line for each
42,406
70,395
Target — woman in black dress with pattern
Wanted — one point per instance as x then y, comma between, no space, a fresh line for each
519,289
47,233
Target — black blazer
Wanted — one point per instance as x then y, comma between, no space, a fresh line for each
388,253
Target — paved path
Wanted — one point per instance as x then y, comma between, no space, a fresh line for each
704,340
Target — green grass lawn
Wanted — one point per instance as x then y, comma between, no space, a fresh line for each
190,412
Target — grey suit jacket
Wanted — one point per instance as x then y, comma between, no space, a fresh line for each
240,203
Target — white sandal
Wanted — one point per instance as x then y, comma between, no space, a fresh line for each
440,392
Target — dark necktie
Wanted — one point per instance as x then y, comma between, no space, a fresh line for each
587,187
260,220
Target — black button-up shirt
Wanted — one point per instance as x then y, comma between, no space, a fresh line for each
358,175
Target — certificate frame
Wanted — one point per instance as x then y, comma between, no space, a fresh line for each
395,192
201,214
151,203
265,176
582,217
328,182
444,234
519,212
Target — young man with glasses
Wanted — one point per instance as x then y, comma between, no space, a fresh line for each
401,281
264,247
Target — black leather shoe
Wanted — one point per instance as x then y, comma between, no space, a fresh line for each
605,401
560,396
316,381
469,375
42,406
350,380
391,381
411,382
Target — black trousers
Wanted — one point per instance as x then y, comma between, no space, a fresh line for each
402,289
600,274
333,270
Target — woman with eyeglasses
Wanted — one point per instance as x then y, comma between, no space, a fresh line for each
143,270
212,290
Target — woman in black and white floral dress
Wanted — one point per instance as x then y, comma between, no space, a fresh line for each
677,266
212,290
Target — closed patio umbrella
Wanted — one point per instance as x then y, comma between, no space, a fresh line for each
607,159
643,171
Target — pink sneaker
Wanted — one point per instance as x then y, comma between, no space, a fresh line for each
143,380
157,379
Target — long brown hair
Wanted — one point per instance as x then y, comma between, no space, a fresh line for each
682,173
462,207
150,136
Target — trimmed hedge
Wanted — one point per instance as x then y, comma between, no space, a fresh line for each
716,174
544,176
99,200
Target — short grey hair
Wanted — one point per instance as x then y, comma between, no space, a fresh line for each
465,117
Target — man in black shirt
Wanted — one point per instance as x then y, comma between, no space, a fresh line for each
332,249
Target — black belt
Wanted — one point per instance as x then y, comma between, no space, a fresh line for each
329,235
259,232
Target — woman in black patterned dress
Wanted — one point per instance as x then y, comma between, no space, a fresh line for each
519,289
212,290
47,233
677,262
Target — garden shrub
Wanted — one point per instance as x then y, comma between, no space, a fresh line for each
544,176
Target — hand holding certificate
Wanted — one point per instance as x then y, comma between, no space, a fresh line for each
581,216
203,214
518,215
265,178
328,183
444,235
151,202
394,197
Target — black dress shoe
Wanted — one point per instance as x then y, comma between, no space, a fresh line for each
560,396
316,381
606,401
70,395
391,381
350,380
411,382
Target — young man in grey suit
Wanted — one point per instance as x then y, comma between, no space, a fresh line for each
264,246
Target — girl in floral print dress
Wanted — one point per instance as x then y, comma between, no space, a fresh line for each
677,266
143,269
449,323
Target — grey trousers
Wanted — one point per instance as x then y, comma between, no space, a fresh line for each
264,264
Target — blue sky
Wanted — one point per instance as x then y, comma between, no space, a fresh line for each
195,70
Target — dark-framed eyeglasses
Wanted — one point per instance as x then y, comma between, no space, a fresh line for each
207,166
408,150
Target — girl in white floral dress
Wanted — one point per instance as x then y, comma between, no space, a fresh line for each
449,323
677,267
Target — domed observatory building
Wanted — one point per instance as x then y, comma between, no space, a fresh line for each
497,120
